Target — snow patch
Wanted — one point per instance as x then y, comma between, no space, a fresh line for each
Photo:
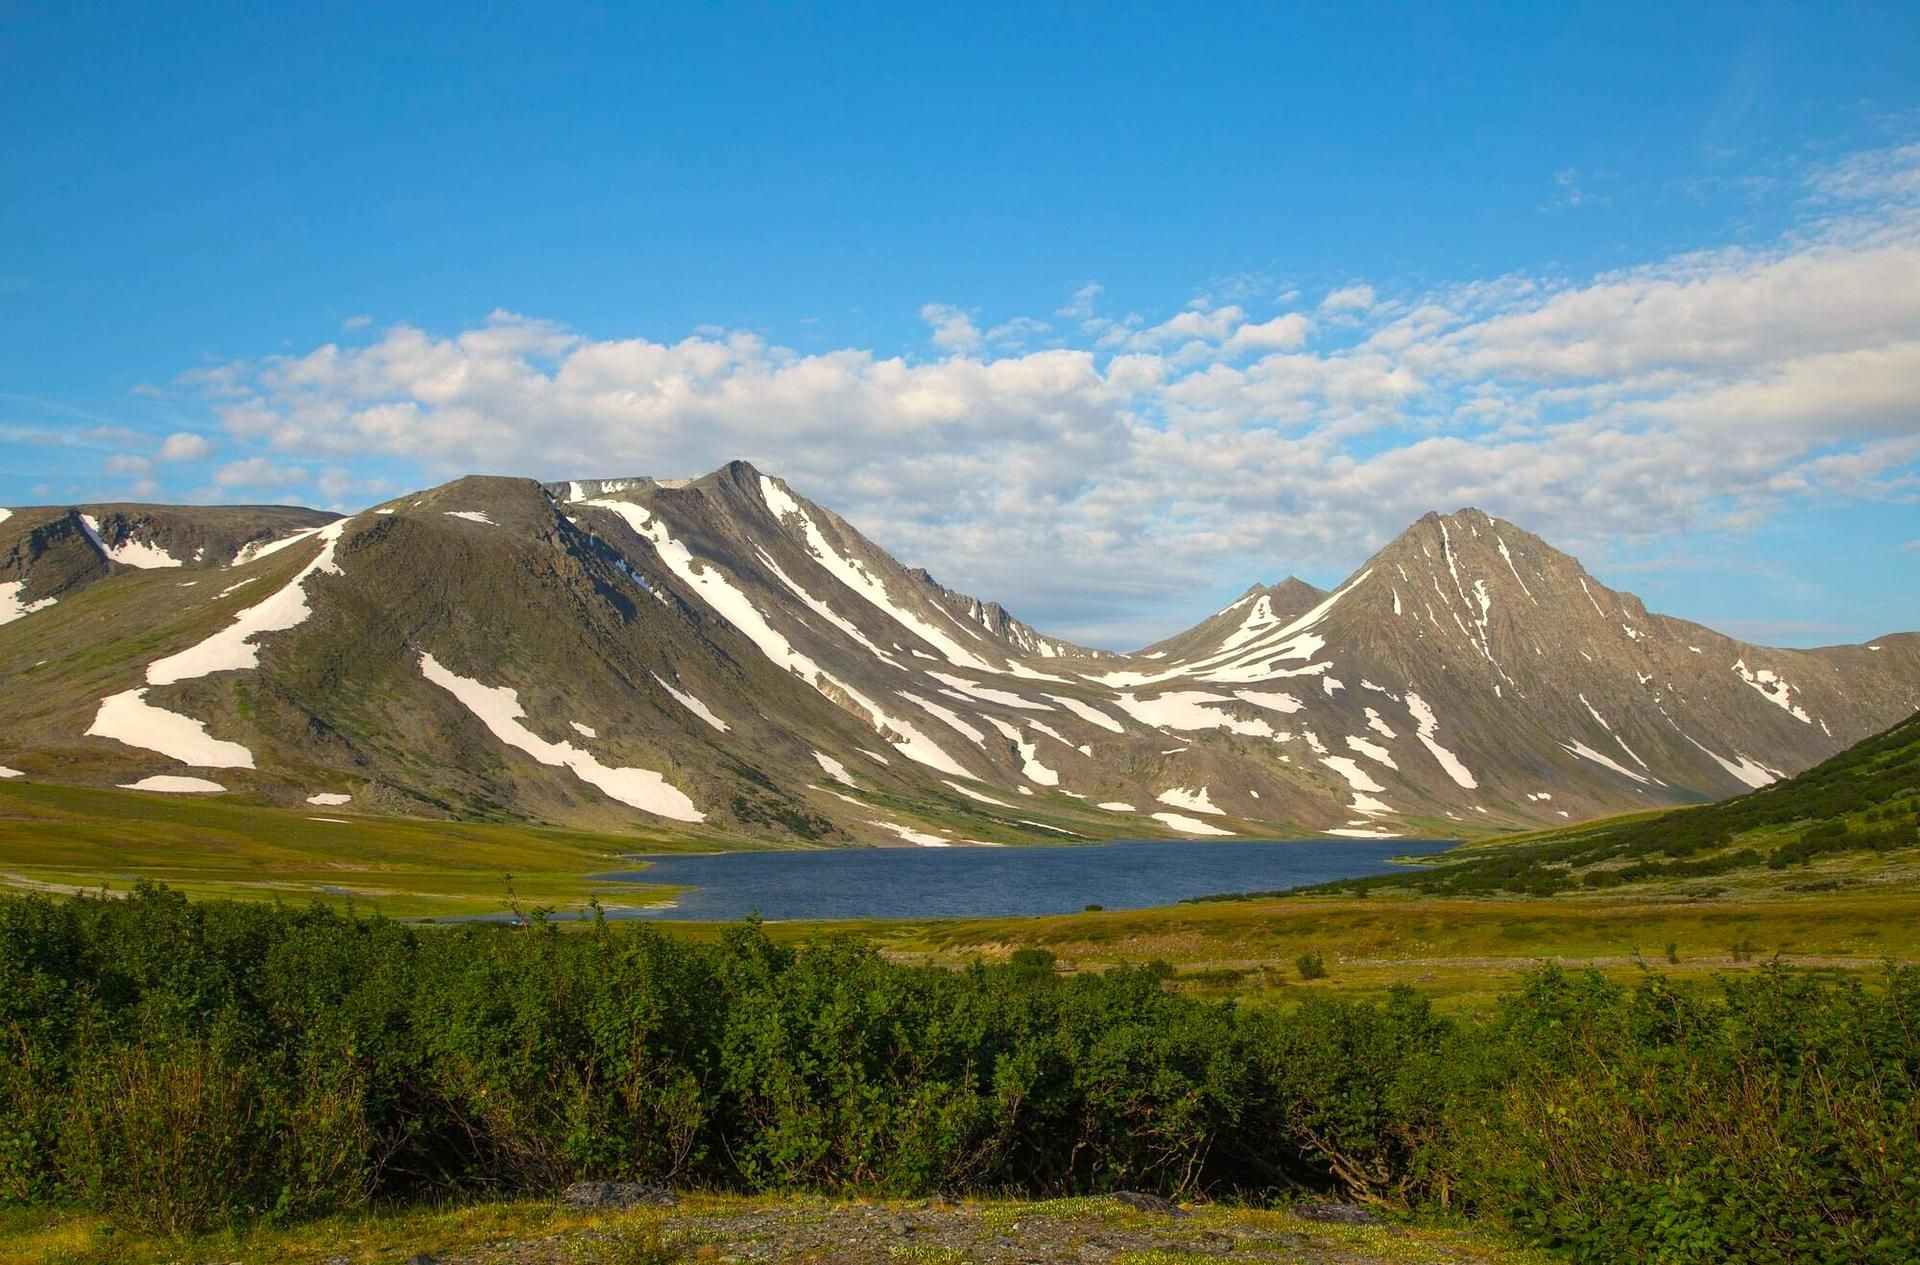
1189,825
172,784
1286,704
329,799
1200,801
863,582
12,608
1089,713
1429,726
1373,751
1750,772
1585,752
952,718
821,609
4,770
1189,710
972,794
986,695
127,717
232,648
691,703
834,769
1498,539
1773,689
498,708
1349,768
585,731
1036,772
920,837
733,605
1115,806
472,516
254,550
129,552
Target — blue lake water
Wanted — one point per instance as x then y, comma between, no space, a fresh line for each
1000,882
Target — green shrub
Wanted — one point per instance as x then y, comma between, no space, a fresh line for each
166,1141
1311,966
174,1066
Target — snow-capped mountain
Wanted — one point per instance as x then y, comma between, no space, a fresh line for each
722,655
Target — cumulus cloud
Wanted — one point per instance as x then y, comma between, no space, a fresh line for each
953,329
184,446
1703,390
1353,298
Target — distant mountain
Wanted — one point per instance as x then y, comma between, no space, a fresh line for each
1849,822
723,654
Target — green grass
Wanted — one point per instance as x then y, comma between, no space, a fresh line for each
68,838
1462,951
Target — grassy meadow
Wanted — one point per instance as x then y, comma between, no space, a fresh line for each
62,839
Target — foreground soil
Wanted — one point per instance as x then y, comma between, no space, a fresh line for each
798,1230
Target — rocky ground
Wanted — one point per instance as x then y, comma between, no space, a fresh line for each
1135,1230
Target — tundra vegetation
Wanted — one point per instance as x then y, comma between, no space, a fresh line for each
176,1065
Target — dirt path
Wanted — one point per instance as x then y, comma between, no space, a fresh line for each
1093,1231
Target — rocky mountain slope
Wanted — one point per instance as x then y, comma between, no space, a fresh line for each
47,552
723,655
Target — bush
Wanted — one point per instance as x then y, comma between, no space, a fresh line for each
175,1066
1311,966
166,1141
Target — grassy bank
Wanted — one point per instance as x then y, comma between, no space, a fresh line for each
62,838
1463,952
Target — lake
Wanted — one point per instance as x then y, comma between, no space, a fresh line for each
999,882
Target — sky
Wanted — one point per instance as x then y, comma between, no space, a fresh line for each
1104,312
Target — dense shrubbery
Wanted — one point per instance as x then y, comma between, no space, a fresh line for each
177,1064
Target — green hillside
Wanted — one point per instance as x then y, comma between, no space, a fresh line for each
1852,821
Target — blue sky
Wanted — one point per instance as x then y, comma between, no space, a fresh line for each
1102,311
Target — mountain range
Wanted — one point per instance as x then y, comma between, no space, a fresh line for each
726,656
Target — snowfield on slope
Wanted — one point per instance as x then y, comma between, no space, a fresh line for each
129,552
736,608
498,708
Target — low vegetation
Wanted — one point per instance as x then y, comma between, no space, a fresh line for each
1860,809
174,1065
68,838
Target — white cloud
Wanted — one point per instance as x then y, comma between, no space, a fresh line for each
953,330
1079,304
1700,391
185,446
258,472
1353,298
1282,333
356,322
1014,335
127,463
